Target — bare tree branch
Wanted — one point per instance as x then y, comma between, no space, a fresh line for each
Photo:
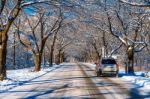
116,49
143,4
3,2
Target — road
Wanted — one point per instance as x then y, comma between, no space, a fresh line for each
74,81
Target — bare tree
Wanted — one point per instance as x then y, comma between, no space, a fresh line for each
40,40
52,49
62,44
6,23
134,41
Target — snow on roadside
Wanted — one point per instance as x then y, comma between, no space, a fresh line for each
94,65
90,64
138,79
18,77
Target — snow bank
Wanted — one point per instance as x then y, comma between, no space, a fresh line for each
138,79
18,77
90,64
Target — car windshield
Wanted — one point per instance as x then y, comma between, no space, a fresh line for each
108,61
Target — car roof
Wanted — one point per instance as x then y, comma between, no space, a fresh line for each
109,58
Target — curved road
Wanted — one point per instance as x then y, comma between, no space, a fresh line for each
74,81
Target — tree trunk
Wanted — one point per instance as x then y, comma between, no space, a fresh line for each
130,52
4,37
126,67
97,52
59,56
27,58
44,59
14,52
52,49
37,61
62,57
51,56
3,53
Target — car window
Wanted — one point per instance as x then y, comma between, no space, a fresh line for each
108,61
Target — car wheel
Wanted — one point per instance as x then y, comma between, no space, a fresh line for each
97,74
100,72
116,74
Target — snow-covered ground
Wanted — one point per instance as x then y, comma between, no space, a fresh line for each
139,79
18,77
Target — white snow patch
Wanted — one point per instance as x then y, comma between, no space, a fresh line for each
90,64
139,79
19,77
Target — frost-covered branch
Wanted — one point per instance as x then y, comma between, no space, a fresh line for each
114,50
3,2
55,28
49,2
140,48
141,4
122,39
24,4
24,42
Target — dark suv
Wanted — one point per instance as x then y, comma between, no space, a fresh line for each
107,66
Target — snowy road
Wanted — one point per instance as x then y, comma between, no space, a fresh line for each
74,81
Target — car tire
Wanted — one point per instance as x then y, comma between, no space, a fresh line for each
97,74
116,74
100,72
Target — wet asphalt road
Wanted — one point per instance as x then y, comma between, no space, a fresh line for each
74,81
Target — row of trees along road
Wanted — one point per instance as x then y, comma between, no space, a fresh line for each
140,28
128,22
16,13
119,26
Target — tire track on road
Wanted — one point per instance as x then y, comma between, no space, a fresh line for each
118,88
114,90
94,93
